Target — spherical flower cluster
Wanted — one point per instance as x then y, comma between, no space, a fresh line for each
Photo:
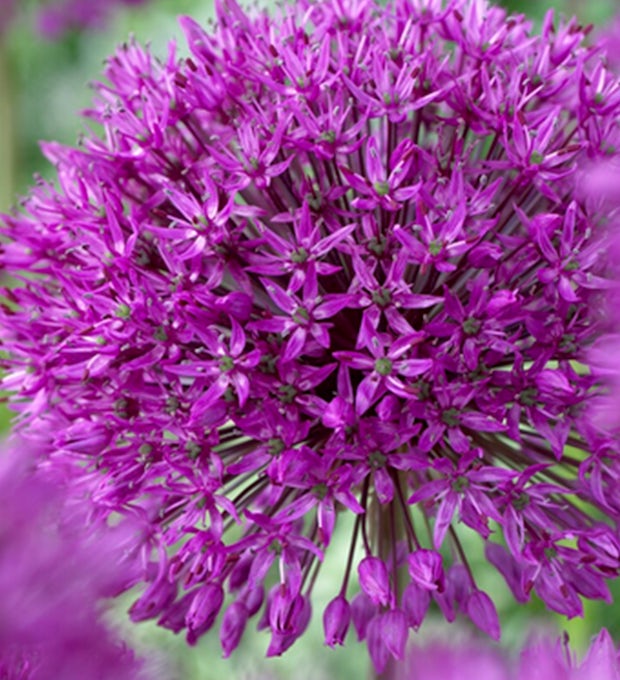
334,262
52,576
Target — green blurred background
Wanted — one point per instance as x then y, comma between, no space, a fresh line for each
43,85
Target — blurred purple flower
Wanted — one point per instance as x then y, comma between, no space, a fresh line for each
56,17
336,261
609,40
599,184
59,16
52,576
541,659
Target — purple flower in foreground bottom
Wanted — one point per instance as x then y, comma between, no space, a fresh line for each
332,262
541,659
52,577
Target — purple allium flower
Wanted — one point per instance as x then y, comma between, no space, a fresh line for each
52,576
334,262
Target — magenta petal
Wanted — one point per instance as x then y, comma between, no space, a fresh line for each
295,345
366,392
395,632
233,625
426,569
415,603
377,647
445,515
336,619
362,611
384,486
374,580
482,612
601,661
210,397
203,611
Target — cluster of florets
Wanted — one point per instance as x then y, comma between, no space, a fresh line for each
334,261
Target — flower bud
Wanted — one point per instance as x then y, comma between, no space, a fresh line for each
374,580
253,599
336,620
153,601
203,611
233,625
362,611
394,627
415,604
377,647
482,612
426,569
284,611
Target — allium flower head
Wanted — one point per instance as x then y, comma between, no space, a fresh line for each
334,262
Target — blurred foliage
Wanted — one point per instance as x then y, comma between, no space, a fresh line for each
49,80
42,87
595,11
